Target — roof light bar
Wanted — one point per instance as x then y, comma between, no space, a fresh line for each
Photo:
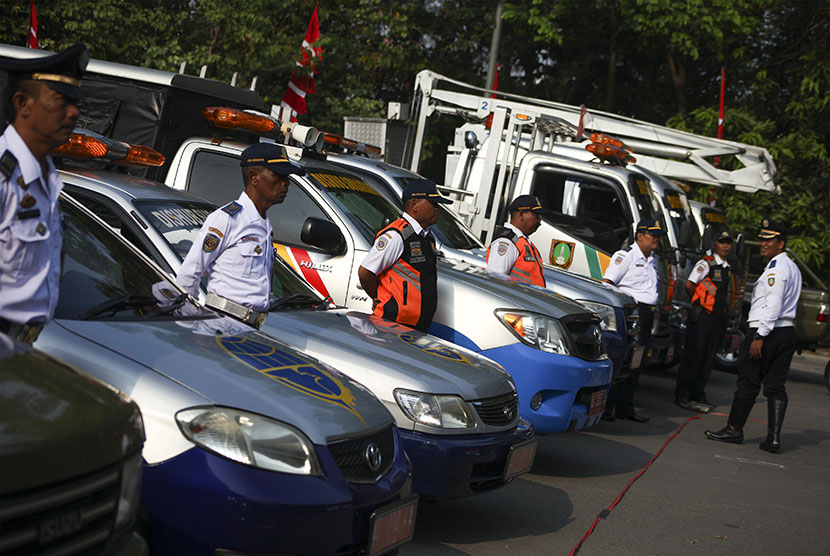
611,153
88,145
232,118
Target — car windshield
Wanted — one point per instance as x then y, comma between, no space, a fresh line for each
178,222
367,209
102,278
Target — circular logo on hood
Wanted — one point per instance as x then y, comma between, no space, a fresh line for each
372,456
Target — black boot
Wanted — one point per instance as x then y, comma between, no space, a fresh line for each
734,430
775,418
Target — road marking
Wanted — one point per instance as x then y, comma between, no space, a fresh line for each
753,461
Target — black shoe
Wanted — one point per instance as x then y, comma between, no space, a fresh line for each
637,418
727,434
775,410
609,418
770,445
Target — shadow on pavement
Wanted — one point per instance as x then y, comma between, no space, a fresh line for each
530,509
587,455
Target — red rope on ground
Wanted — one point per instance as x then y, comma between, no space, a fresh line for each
607,511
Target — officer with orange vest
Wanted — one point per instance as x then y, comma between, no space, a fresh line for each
708,285
399,271
512,254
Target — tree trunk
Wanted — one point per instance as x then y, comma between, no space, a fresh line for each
612,72
678,78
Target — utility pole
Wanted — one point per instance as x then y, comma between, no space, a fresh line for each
494,47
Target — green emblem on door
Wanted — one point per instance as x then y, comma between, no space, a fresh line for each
561,253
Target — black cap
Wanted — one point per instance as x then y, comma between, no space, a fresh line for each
61,72
650,226
527,202
424,189
723,236
272,157
770,229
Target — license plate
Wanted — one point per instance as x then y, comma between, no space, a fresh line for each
597,403
670,354
736,342
520,458
392,525
637,357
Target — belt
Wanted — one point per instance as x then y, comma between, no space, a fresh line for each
236,310
26,333
780,323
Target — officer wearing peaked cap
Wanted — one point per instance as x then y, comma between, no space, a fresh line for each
632,270
400,270
511,253
708,286
767,351
234,246
39,104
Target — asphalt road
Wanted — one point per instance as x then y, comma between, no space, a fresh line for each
698,497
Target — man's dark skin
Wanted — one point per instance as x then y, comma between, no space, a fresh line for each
425,213
44,118
770,248
526,221
265,187
647,243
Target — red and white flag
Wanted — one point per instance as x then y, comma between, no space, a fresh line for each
585,120
302,78
31,40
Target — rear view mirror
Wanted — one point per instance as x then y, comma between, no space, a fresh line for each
681,258
685,234
740,247
706,240
323,235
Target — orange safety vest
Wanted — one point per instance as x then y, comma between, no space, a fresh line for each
528,265
710,293
408,290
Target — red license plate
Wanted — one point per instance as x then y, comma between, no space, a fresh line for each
392,525
637,357
736,342
670,354
597,402
520,458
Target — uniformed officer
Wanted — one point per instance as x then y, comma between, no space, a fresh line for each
234,245
633,271
399,272
39,104
708,286
512,254
767,350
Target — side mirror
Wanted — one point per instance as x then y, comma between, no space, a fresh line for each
685,234
681,258
706,240
470,140
323,235
740,247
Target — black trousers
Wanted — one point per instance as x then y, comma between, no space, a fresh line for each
771,369
621,395
703,338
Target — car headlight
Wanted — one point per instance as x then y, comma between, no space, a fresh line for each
130,492
249,439
605,312
678,314
448,412
538,331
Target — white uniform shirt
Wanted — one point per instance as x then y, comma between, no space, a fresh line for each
634,273
30,235
388,248
234,249
701,269
503,253
775,296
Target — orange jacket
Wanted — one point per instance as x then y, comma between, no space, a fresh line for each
710,293
408,290
528,265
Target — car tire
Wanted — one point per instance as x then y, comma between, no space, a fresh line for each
726,360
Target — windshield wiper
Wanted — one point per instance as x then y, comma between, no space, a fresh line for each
127,301
293,300
323,305
170,306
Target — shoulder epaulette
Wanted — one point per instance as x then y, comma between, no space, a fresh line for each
772,264
629,248
232,208
7,164
506,233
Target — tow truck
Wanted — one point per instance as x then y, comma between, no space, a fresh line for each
583,167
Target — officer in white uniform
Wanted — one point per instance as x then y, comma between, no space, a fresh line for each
41,111
234,246
767,350
633,271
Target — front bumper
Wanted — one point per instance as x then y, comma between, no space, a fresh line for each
562,382
198,502
452,466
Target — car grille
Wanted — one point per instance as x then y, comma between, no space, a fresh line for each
72,517
350,456
632,320
586,337
499,411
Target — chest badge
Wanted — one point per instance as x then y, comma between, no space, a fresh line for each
258,250
41,229
28,201
562,253
416,248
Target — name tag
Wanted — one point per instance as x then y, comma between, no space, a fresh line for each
717,275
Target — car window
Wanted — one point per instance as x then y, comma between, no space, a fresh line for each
178,222
99,269
677,206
